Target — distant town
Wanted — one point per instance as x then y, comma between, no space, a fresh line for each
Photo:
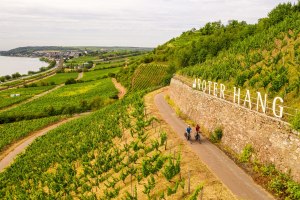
56,52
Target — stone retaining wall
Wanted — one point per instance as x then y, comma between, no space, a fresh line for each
273,140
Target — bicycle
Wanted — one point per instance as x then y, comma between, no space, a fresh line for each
197,137
187,136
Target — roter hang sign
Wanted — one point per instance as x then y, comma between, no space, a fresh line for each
218,90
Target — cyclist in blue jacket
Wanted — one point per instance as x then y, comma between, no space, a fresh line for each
188,132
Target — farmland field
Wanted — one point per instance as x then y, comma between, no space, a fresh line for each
98,74
25,93
109,64
59,78
66,100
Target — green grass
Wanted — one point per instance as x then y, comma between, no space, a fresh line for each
25,93
59,78
12,132
98,74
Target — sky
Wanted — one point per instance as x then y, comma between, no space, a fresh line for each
139,23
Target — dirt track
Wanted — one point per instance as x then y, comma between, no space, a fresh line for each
240,183
122,90
8,156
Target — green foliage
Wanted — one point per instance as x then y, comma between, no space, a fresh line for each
58,78
70,81
195,194
246,153
163,138
100,73
12,132
296,122
216,136
149,76
65,100
149,186
172,168
25,93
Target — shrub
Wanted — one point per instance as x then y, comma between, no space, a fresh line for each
296,122
49,110
32,85
112,75
115,96
70,81
217,135
246,153
96,103
44,83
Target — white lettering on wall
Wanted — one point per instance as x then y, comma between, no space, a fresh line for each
222,91
280,107
199,83
260,101
203,86
236,94
215,89
209,86
248,100
195,83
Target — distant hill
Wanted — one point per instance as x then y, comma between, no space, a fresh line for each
30,49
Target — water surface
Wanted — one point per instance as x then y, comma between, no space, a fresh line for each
10,65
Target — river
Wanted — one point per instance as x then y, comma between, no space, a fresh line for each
10,65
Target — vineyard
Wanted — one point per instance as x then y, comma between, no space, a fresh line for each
118,152
99,74
68,99
12,132
147,76
109,64
58,78
25,93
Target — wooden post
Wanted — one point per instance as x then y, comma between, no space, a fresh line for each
189,183
166,144
202,191
131,184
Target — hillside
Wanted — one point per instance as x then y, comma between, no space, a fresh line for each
261,57
120,147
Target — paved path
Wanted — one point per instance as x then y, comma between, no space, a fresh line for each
223,167
8,156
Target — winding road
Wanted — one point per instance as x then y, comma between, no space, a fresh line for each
240,183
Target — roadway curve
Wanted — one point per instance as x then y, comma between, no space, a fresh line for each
240,183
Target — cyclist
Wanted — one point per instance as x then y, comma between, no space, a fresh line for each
188,132
197,136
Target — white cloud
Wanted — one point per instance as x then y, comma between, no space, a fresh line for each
115,22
